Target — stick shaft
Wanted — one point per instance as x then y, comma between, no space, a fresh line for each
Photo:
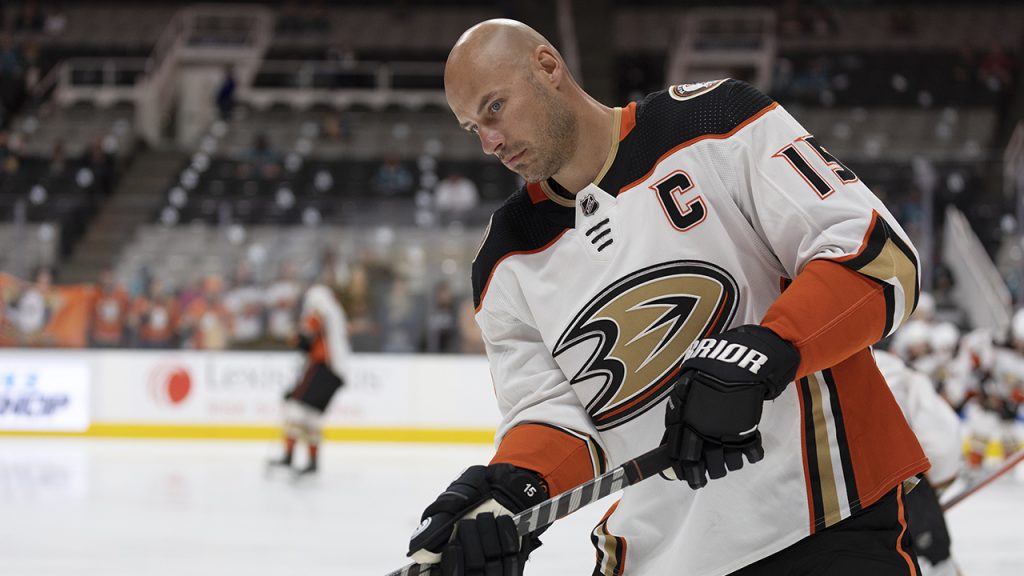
1006,466
548,511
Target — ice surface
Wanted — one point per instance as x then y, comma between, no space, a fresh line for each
95,507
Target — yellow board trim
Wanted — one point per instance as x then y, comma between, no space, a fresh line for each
182,431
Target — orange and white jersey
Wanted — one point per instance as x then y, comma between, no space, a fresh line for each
712,200
323,319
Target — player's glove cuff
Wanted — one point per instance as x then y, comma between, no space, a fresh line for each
498,490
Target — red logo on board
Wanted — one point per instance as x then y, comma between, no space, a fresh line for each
170,383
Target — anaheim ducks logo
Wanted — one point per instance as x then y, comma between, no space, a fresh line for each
687,91
638,329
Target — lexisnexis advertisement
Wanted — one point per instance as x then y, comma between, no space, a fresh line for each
238,393
44,396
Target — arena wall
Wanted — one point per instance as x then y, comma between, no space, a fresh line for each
187,394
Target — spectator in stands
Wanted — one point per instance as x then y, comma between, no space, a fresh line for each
225,99
101,164
56,21
192,291
206,324
58,160
261,159
33,71
813,80
12,76
470,339
902,22
392,178
30,18
34,309
245,303
455,194
154,317
996,68
282,302
359,303
109,312
337,126
8,331
10,57
10,154
442,333
964,70
401,323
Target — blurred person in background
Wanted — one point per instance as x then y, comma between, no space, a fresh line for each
245,300
401,321
206,323
281,299
442,325
154,317
471,340
58,160
392,178
988,375
8,332
360,304
937,427
101,164
455,194
29,18
109,312
34,306
323,338
261,160
225,98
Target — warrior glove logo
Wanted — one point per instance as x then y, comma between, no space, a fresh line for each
730,353
630,338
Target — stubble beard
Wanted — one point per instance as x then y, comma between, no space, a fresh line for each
557,143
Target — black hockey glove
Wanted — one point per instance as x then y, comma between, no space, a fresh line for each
715,405
478,508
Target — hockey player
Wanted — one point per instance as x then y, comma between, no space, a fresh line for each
938,429
631,295
325,340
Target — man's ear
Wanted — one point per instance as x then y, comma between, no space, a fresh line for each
549,64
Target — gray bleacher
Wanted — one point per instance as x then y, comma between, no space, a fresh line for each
179,255
24,248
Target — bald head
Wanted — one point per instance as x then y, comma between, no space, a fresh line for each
495,42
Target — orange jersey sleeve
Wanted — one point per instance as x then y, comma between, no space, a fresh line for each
562,458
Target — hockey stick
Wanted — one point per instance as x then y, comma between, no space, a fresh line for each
1008,465
545,513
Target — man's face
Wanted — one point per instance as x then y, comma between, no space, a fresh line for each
521,121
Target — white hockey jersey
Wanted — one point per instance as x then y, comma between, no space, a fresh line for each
930,417
712,200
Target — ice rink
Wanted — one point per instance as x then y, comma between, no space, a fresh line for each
94,507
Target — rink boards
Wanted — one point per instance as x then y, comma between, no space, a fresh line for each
189,394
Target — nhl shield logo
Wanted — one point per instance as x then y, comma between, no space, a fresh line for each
589,205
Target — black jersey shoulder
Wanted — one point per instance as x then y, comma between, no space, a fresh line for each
683,113
519,226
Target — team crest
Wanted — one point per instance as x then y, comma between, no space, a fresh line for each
629,339
687,91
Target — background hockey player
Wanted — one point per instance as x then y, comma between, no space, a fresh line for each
661,230
988,375
324,339
938,429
